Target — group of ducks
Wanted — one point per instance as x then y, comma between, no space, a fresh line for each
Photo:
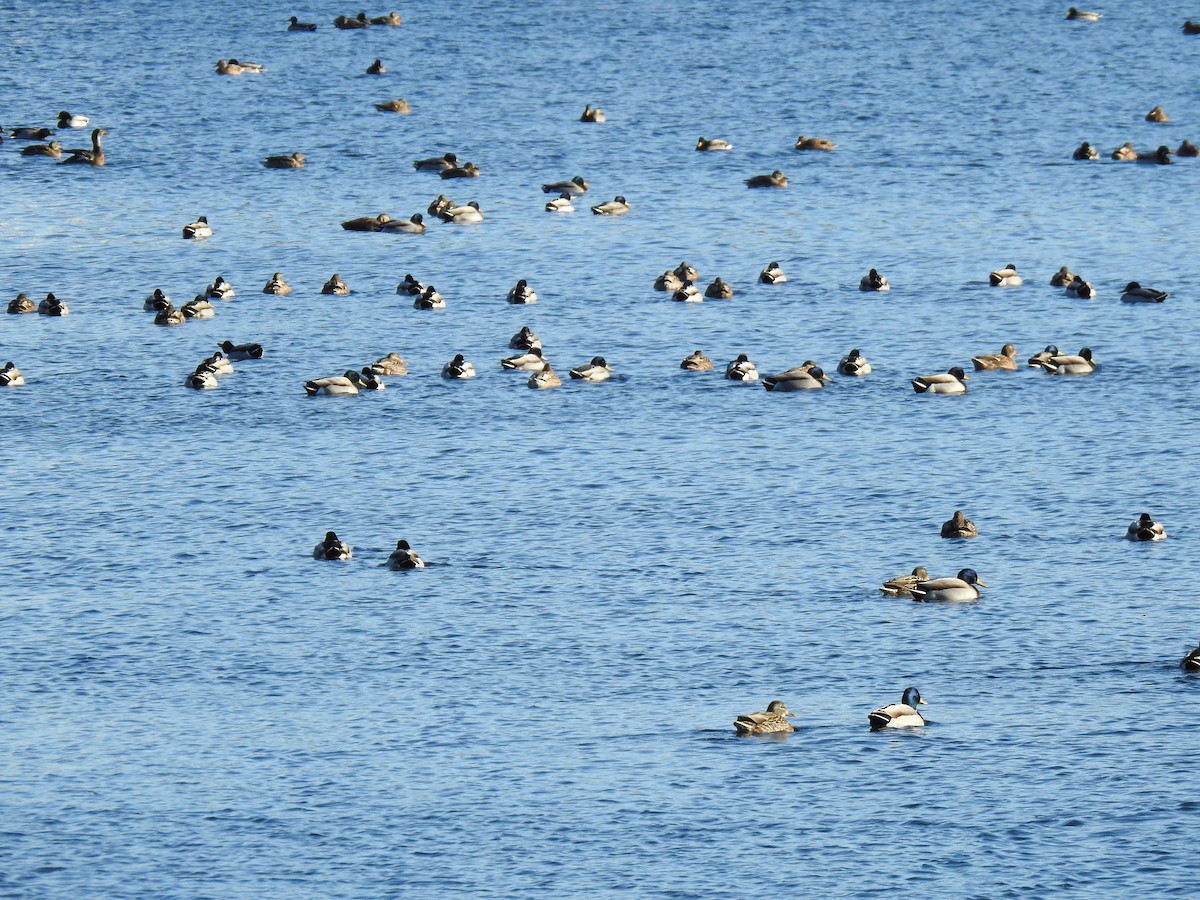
404,557
774,719
199,307
50,306
204,377
89,156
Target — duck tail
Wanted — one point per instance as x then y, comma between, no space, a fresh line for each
878,719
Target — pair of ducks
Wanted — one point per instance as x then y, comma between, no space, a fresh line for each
50,306
414,224
802,143
351,382
774,719
403,558
204,377
962,588
1126,153
449,211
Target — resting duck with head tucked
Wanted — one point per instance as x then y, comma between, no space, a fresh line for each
525,339
772,274
618,206
899,715
686,271
775,180
1005,359
21,304
522,293
335,285
52,150
719,290
391,20
959,526
458,368
594,371
429,299
1081,15
773,720
10,376
277,285
218,364
593,114
545,377
220,289
169,315
804,377
377,68
696,361
333,385
466,170
1042,355
1146,529
410,286
707,144
198,307
441,206
688,293
1125,152
873,281
392,364
414,224
1062,277
52,306
902,585
1085,151
962,588
668,281
1080,364
404,558
198,229
1191,662
348,23
1006,277
854,364
561,204
399,106
291,161
1080,288
814,143
529,361
332,548
574,187
741,369
1158,114
1187,148
949,382
463,215
367,223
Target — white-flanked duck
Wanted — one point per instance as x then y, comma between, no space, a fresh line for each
953,381
198,229
1146,529
873,281
854,364
594,371
618,206
741,369
804,377
522,293
10,376
66,120
198,307
458,368
404,557
899,715
52,306
1006,277
332,548
545,377
560,204
529,361
414,224
429,299
220,289
593,114
1081,289
772,274
710,144
962,588
1079,364
525,339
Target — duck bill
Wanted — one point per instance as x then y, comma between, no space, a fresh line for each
981,583
923,702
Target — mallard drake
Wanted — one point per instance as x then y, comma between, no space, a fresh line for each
1135,293
295,24
772,274
899,715
773,720
441,206
404,557
366,379
348,23
399,106
1085,151
198,308
814,143
529,361
1158,114
1062,277
873,281
458,368
902,585
668,281
962,588
1125,152
1187,148
618,206
335,285
798,378
66,120
1081,364
524,339
10,376
959,526
367,223
545,377
156,301
593,114
775,180
429,299
1160,157
201,380
1042,355
463,215
741,369
696,362
392,364
1005,359
93,157
466,170
522,293
52,306
688,293
217,364
854,364
241,351
21,304
376,68
435,163
574,187
952,381
1191,662
169,315
410,286
391,20
52,149
31,134
713,144
1146,529
561,204
1080,288
291,161
1006,277
332,385
220,289
414,224
241,67
718,290
277,285
595,370
1080,15
198,229
332,548
1190,27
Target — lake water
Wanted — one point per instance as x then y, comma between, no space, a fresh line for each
194,707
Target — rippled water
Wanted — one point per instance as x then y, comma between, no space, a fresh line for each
194,707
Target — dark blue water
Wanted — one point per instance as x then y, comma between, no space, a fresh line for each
194,707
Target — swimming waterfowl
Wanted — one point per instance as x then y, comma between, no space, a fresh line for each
741,369
615,207
1187,148
1085,151
960,589
429,298
52,149
376,68
277,285
814,143
688,293
367,223
466,170
52,306
1125,152
1158,114
463,215
227,67
391,20
296,25
244,67
409,285
959,526
773,720
1080,15
220,289
668,281
392,364
93,157
332,386
1159,157
561,204
414,224
1080,364
899,715
201,380
873,281
524,339
772,274
441,206
718,290
1062,277
217,364
574,187
366,379
10,376
1006,277
241,351
696,362
399,105
545,377
952,381
169,315
775,180
713,144
21,304
594,371
902,585
1146,529
335,285
1005,359
1191,662
198,229
291,161
31,134
1042,355
1190,27
347,23
854,364
528,361
458,368
404,557
1080,288
593,114
1135,293
198,308
332,548
436,163
66,120
685,271
522,293
798,378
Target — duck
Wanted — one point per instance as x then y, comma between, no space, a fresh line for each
560,204
335,285
198,308
773,720
952,381
464,215
217,364
1146,529
441,206
376,68
404,557
1085,151
10,376
295,24
902,585
1191,662
392,364
332,548
201,380
291,161
574,187
347,23
66,120
93,157
1135,293
52,150
685,271
411,286
458,368
1062,277
247,67
1006,277
1080,15
707,144
332,386
391,20
1080,288
594,371
854,364
668,281
20,304
593,114
772,274
545,377
1081,364
367,223
1190,27
1187,148
414,224
1159,157
529,361
429,299
798,378
366,379
466,170
873,281
718,290
522,293
1158,114
220,289
959,526
1042,355
169,315
198,229
52,306
1005,359
1125,152
964,587
400,106
814,143
899,715
31,134
241,351
696,361
436,163
741,369
277,285
525,339
227,67
618,206
688,293
775,180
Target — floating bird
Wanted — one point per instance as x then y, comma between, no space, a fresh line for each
21,304
902,585
436,163
1187,148
1190,27
1005,359
959,526
774,720
333,386
391,20
52,150
156,301
1085,151
873,281
561,204
458,368
66,120
414,224
335,285
201,380
332,548
198,229
1081,364
376,68
1080,15
959,589
696,362
241,351
277,285
522,293
1146,529
296,25
404,557
545,377
93,157
899,715
399,106
524,339
10,376
1006,277
685,271
854,364
1062,277
618,206
719,290
1160,157
668,281
529,361
410,286
31,134
169,315
1135,293
775,180
198,308
291,161
366,379
217,364
593,114
1158,114
466,170
688,293
798,378
574,187
952,381
741,369
392,364
52,306
772,274
220,289
1042,355
713,144
1125,152
814,143
367,223
347,23
1080,288
463,215
429,299
594,371
1191,662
